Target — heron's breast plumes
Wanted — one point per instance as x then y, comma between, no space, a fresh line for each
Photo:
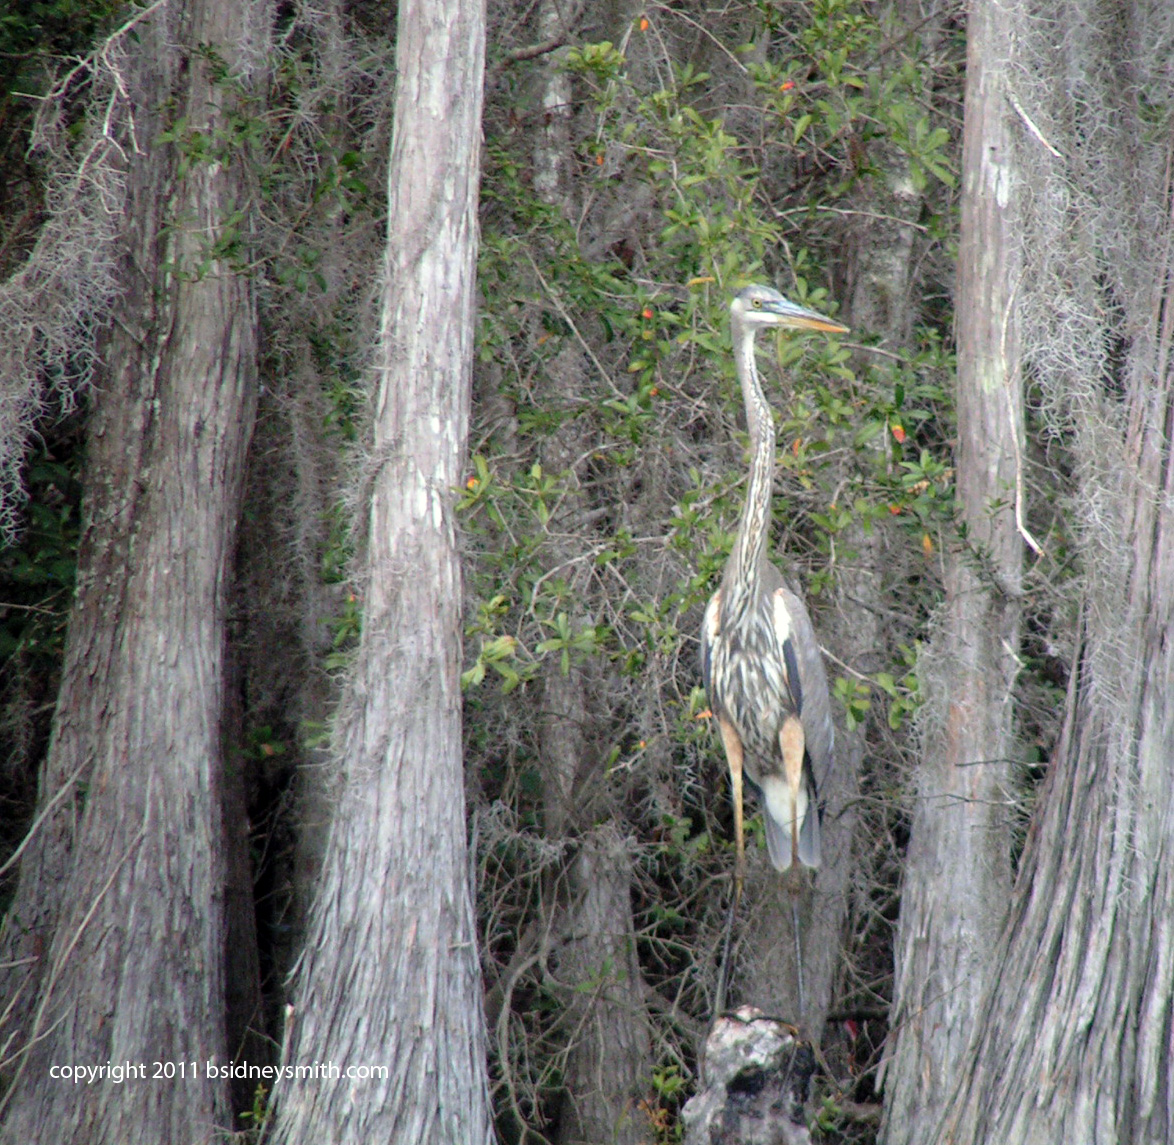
749,681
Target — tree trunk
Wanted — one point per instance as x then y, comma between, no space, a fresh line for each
958,875
605,1026
118,921
1073,1041
390,974
609,1055
790,974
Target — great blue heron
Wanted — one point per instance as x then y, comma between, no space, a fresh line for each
763,671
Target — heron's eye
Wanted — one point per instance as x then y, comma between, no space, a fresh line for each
758,304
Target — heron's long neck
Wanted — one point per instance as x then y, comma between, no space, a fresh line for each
754,526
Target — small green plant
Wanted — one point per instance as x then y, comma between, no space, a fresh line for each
855,696
905,692
669,1087
256,1117
828,1118
346,626
570,644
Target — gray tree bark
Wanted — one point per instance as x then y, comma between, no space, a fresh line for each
1073,1039
390,976
958,874
609,1053
115,944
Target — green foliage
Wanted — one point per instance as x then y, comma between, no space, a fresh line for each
606,483
34,32
827,1122
854,697
670,1090
257,1116
37,572
566,642
345,628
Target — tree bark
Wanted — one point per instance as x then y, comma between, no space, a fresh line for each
390,975
957,880
117,931
1073,1040
790,973
610,1051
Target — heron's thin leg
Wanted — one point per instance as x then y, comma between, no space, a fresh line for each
800,1019
793,743
732,742
723,973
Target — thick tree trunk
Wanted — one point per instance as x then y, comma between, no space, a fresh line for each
118,921
957,880
1074,1039
390,976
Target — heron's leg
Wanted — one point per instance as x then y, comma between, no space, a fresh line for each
732,742
793,742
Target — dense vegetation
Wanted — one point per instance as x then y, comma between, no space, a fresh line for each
639,166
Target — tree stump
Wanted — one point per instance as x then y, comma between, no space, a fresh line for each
755,1076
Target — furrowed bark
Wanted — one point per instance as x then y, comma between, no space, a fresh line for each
390,975
117,931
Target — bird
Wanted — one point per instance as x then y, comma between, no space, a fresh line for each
762,667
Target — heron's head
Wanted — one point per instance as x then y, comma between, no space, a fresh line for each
757,307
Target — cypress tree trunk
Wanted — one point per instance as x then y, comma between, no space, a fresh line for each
1073,1040
958,876
390,977
117,931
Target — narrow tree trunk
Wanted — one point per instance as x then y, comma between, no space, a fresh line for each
793,928
958,874
605,1026
390,974
609,1055
118,921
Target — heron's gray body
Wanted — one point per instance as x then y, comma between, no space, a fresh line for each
760,658
760,661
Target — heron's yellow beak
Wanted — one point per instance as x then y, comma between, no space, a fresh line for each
816,323
799,317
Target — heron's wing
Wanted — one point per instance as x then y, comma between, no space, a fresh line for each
816,712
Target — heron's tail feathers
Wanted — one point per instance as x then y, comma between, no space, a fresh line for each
777,813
